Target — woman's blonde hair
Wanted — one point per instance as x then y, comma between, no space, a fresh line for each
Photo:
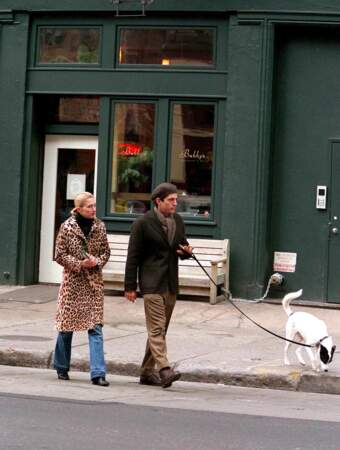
80,199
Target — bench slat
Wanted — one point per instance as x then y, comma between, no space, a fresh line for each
197,250
117,258
115,265
118,237
206,243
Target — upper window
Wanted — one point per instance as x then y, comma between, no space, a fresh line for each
167,47
59,45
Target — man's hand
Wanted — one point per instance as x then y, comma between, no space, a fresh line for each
131,296
185,249
89,262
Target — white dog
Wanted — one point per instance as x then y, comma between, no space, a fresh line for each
308,329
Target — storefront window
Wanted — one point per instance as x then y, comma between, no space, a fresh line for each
133,143
192,157
68,45
166,47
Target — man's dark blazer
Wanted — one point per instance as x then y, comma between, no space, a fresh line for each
151,257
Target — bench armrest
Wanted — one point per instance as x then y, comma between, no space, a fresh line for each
217,261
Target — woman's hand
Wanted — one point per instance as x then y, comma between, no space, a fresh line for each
89,262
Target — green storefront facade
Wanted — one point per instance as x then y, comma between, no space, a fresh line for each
237,101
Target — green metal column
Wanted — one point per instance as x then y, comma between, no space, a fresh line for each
247,153
13,56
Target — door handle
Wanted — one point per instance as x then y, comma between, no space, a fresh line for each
335,230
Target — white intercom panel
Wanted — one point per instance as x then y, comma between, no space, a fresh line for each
321,197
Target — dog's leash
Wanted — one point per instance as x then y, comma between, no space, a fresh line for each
226,295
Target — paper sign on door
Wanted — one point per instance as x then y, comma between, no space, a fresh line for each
76,183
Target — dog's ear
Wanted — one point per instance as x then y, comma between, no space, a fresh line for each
324,354
332,353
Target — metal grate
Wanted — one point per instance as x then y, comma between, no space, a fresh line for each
140,7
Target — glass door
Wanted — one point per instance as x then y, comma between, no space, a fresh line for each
69,168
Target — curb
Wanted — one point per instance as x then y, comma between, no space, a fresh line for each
328,384
23,358
260,377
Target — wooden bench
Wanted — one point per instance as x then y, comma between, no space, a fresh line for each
213,254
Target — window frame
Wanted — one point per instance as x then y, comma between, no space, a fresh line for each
162,157
169,67
177,84
109,46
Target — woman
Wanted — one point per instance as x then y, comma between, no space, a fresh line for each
82,249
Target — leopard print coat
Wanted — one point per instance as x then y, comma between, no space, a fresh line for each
81,293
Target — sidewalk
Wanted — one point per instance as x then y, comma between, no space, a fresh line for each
208,343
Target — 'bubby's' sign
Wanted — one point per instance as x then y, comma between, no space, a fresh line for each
187,153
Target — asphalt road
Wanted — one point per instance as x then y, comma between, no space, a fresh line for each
38,412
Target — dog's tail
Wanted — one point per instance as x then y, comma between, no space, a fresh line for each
288,298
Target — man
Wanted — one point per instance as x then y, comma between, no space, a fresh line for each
157,240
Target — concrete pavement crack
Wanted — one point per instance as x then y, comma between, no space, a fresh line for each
189,358
111,339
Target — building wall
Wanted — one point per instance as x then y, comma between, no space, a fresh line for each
251,125
14,31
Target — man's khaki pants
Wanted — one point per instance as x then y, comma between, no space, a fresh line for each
158,310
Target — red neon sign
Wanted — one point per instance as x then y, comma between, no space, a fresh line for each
129,149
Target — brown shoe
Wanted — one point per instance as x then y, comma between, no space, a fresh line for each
151,379
168,376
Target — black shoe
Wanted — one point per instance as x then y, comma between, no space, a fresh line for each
150,380
168,376
100,381
63,376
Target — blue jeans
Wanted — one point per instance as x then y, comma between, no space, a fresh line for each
62,353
